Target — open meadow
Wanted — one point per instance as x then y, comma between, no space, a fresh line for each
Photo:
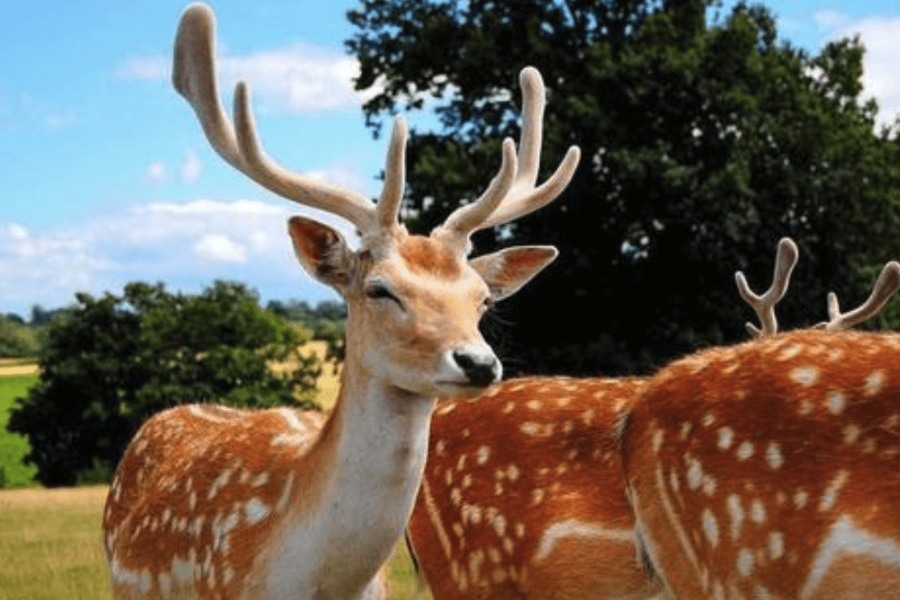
50,540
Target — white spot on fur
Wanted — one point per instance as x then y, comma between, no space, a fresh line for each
736,514
851,433
757,511
837,401
874,382
776,545
790,352
726,437
710,527
744,451
482,455
694,473
774,456
745,562
806,376
801,498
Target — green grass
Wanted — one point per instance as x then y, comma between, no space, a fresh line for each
50,548
14,447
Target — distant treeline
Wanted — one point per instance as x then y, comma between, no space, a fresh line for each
21,337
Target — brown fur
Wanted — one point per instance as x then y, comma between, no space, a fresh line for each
502,470
743,461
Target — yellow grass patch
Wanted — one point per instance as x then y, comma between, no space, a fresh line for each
50,548
50,545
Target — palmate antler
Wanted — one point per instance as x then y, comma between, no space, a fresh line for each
510,195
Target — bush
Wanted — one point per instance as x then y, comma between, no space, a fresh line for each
17,339
109,363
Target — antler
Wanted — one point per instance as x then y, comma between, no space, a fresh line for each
512,193
194,77
785,259
887,284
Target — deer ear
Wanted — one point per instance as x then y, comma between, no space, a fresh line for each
322,251
508,270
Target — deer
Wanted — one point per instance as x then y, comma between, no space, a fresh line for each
213,502
769,469
523,495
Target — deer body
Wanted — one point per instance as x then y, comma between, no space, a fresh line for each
770,469
523,496
209,502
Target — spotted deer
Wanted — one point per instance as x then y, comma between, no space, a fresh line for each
523,495
212,502
770,469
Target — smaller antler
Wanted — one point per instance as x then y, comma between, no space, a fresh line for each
513,192
887,284
785,259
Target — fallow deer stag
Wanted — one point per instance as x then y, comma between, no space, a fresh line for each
523,496
770,469
210,502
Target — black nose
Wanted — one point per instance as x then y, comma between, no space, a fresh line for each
481,369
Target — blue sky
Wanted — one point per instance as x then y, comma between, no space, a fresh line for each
106,178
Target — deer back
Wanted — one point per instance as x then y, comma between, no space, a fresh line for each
769,469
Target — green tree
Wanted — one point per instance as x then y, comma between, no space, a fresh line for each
111,362
705,139
16,338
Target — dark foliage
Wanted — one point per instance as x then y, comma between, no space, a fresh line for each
111,362
705,139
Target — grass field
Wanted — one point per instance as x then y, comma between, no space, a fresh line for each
13,447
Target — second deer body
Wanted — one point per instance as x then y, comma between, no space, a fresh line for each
747,469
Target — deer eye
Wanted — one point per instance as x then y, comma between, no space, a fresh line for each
379,291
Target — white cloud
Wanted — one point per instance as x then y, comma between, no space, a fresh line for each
830,19
219,247
191,168
295,79
156,172
187,245
144,68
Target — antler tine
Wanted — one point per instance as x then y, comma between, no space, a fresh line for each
466,219
524,198
501,204
193,75
887,284
194,78
394,177
785,259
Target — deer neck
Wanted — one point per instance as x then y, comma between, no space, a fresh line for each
366,467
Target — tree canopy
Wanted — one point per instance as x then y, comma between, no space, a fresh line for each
109,363
705,139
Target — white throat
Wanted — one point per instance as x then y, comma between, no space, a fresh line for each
375,450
